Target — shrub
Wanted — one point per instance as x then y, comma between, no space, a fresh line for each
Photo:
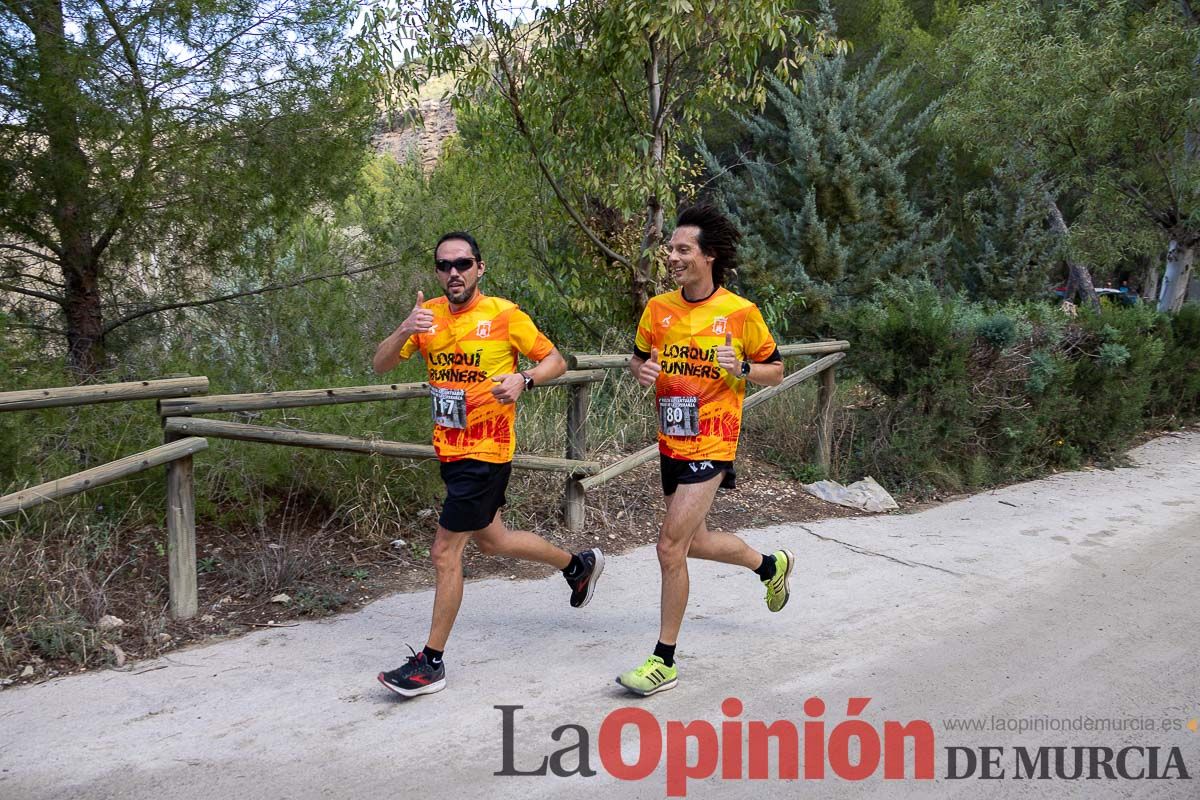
973,395
1176,391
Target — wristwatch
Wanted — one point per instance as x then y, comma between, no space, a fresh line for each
745,369
528,380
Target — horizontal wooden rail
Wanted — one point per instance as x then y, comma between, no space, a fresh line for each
621,360
610,361
219,429
301,398
763,395
647,453
98,476
627,463
102,393
813,348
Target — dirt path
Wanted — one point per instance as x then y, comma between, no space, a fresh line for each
1066,598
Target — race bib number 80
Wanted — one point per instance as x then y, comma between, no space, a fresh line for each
679,416
449,407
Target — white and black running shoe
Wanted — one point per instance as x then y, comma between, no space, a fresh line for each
584,585
415,677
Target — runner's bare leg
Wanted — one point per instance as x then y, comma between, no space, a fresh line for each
721,546
685,516
497,540
446,555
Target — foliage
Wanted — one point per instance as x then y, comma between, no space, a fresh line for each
823,201
1000,247
148,149
534,255
1102,107
973,394
1176,392
577,78
908,32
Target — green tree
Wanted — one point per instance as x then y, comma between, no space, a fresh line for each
1000,245
823,200
148,148
602,95
530,245
907,31
1101,110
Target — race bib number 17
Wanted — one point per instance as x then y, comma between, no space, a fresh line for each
679,416
449,407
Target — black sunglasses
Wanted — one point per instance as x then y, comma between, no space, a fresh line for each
460,264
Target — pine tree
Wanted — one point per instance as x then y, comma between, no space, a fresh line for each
821,196
1001,247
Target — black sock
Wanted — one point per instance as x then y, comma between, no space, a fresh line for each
434,657
766,570
575,568
666,652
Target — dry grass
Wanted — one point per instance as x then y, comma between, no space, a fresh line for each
316,526
619,417
54,590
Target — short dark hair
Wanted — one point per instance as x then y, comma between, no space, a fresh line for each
463,236
718,238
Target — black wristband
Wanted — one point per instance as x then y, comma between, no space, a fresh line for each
529,384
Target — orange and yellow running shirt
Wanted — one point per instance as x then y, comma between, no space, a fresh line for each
697,403
465,351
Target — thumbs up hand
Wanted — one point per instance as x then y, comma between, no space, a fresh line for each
727,357
648,374
419,320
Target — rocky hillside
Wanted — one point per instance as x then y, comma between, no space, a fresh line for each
403,136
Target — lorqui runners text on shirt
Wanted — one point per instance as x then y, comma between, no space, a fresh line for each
694,362
444,367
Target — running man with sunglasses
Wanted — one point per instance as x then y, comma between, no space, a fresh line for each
470,343
698,346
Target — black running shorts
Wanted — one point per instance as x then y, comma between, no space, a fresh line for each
474,493
674,472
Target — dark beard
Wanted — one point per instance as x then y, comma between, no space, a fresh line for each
465,295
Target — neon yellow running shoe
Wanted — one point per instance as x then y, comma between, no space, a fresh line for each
650,678
778,590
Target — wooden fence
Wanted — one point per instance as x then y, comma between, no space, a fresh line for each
575,494
176,453
186,433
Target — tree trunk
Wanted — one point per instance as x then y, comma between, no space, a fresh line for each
1191,137
85,325
1181,256
1185,255
653,229
1150,287
651,237
1079,276
1072,286
1083,281
69,172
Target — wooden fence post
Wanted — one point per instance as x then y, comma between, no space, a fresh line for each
825,395
181,536
574,495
